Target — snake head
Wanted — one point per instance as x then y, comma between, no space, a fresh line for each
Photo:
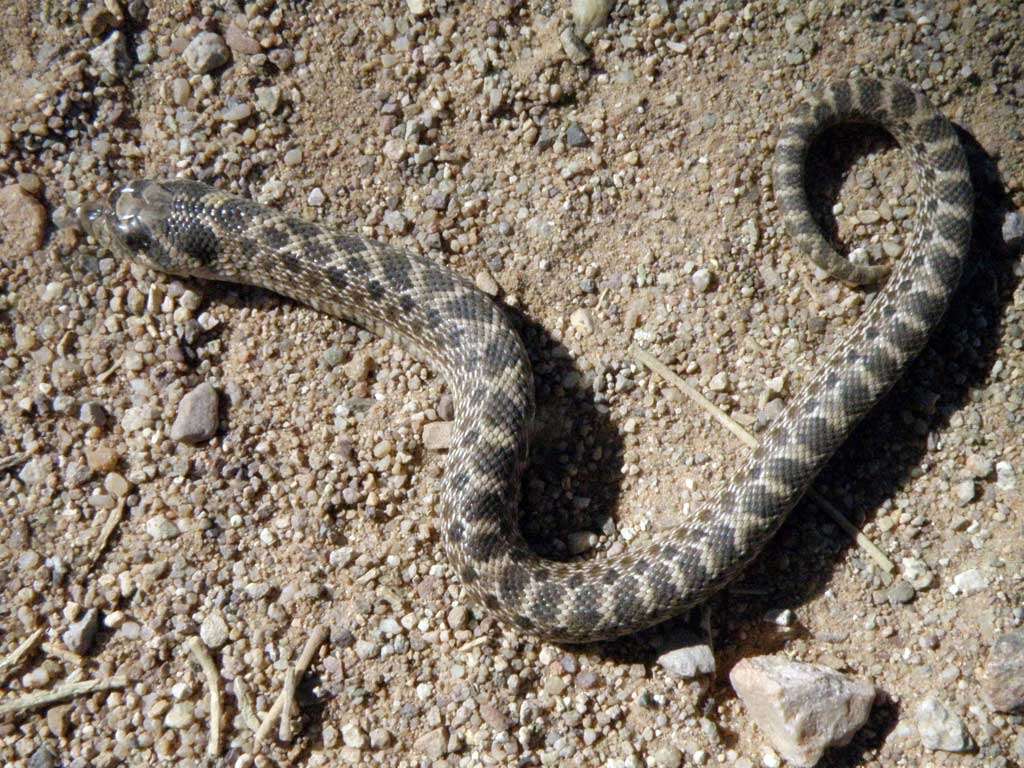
135,226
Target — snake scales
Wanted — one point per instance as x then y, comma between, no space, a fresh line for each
187,228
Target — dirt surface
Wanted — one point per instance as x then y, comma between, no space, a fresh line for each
623,202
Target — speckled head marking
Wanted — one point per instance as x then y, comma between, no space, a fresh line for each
192,229
156,224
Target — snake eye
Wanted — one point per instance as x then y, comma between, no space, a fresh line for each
137,240
132,234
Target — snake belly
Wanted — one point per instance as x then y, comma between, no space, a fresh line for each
188,228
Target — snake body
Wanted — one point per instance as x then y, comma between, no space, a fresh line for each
188,228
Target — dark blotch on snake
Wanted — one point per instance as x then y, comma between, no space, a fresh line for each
398,271
511,584
933,129
950,226
469,306
842,98
338,278
277,237
879,363
357,265
194,238
348,243
624,601
456,531
870,92
904,103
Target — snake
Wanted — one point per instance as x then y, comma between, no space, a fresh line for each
187,228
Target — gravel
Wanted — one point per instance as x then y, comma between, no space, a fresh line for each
970,582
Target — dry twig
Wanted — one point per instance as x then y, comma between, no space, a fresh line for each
12,461
284,727
245,706
113,519
102,377
198,651
15,657
650,361
64,654
313,643
60,693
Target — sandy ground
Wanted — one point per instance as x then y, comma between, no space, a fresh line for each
621,202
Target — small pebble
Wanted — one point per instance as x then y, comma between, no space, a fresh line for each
580,320
916,573
1006,477
198,415
1004,673
575,49
206,52
79,636
433,744
101,458
1013,230
486,283
353,736
94,414
900,593
214,630
437,435
702,280
940,728
579,542
691,661
22,221
667,756
458,617
575,137
802,708
180,715
160,528
970,582
965,492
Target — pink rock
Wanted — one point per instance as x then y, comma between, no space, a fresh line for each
802,708
1004,673
22,222
240,41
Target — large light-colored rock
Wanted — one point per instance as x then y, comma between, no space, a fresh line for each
802,708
